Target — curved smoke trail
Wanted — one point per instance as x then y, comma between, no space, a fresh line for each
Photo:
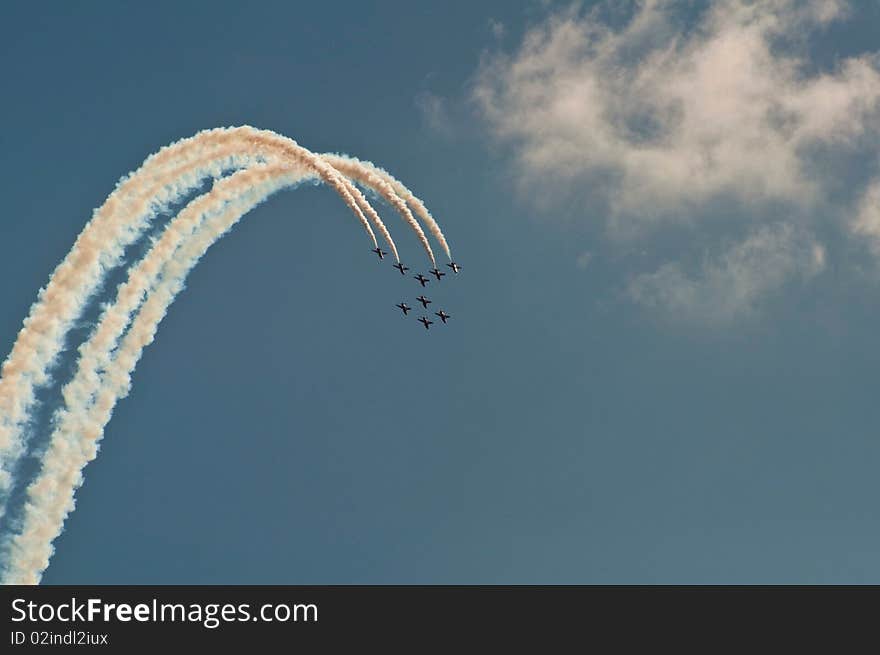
356,171
363,171
164,178
103,376
123,217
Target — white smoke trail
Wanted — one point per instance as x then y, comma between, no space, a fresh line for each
353,169
102,379
80,425
164,178
271,145
125,214
363,171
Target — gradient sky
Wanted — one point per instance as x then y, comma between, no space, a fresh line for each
289,426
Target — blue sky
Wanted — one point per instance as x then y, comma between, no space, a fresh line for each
650,377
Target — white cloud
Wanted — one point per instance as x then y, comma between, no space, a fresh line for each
867,221
435,112
735,283
496,27
678,117
662,116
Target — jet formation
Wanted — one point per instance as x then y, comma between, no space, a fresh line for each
423,281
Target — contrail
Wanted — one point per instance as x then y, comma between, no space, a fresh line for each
270,144
91,395
164,178
362,172
125,214
102,377
355,170
95,353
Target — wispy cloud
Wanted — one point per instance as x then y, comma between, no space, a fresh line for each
435,112
496,27
867,220
735,282
583,260
664,111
